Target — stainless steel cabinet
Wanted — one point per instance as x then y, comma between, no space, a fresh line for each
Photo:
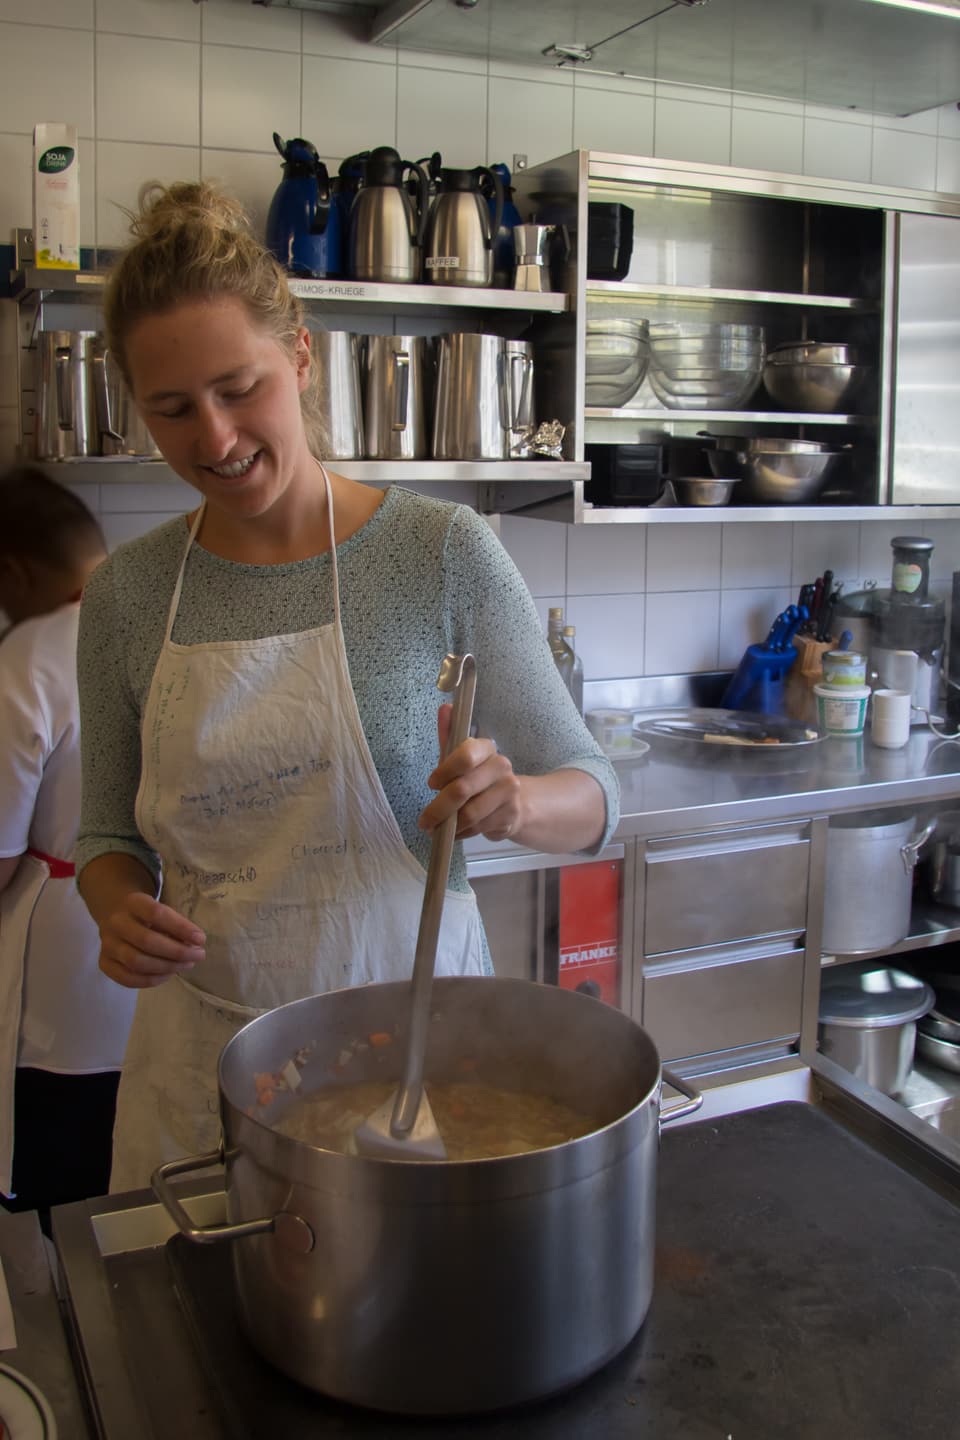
704,890
926,341
806,258
723,939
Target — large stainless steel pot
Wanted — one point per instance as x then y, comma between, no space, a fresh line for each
871,857
940,861
868,1015
441,1288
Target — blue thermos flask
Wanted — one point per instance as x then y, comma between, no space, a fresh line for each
304,223
504,254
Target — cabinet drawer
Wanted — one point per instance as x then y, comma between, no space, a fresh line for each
696,1010
709,890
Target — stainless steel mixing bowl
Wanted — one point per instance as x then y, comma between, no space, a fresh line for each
697,490
821,389
776,471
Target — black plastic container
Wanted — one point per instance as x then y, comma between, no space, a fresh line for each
636,474
609,240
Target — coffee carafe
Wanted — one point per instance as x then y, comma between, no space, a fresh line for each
66,412
460,235
304,222
387,223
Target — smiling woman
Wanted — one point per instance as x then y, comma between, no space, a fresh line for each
260,719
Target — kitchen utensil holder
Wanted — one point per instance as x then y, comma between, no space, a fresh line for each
758,683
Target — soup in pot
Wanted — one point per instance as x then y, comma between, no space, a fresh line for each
476,1121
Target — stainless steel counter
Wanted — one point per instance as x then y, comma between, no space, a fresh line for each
682,786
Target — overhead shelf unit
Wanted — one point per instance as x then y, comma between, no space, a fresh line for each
330,304
806,258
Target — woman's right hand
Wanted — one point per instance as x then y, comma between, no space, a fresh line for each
143,942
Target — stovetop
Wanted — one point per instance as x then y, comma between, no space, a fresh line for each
807,1285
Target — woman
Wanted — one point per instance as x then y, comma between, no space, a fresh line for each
63,1026
259,704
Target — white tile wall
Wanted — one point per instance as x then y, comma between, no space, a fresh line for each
171,76
122,168
247,94
148,90
44,75
441,110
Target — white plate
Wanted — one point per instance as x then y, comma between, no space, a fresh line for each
24,1410
635,751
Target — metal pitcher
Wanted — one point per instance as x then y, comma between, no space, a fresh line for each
121,430
394,409
66,413
337,366
484,387
519,396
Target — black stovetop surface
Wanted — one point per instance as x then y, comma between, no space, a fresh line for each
807,1287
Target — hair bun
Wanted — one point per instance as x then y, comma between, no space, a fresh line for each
166,208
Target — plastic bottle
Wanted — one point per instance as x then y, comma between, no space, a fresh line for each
576,672
562,654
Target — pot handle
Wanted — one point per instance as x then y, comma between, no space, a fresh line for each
693,1101
294,1231
910,853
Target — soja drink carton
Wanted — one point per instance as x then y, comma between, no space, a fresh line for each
56,197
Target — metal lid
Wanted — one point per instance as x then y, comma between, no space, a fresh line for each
917,543
870,996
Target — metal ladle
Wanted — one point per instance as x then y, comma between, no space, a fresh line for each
404,1127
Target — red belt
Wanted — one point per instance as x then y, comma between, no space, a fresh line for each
59,869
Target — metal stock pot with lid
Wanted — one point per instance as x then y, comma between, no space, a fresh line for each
441,1287
871,856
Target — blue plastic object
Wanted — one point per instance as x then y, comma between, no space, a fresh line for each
504,252
304,223
758,682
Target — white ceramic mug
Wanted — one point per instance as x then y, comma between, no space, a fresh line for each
890,720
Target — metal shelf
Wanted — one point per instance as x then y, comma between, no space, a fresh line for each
401,297
930,925
726,417
341,293
618,289
572,509
105,469
31,280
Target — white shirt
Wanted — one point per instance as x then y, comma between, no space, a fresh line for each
74,1020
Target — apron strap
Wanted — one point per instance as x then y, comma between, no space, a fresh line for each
59,869
333,545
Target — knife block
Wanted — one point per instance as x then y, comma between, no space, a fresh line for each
758,683
800,702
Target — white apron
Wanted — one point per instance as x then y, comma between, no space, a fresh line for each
17,904
259,792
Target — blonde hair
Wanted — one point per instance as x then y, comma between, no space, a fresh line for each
191,241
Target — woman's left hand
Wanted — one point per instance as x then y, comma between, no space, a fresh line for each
479,783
